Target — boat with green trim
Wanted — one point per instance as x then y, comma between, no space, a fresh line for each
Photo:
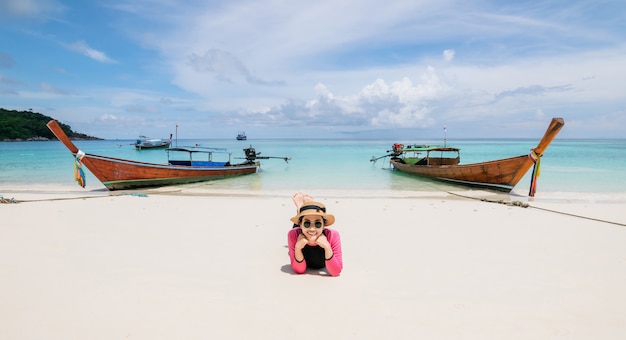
443,163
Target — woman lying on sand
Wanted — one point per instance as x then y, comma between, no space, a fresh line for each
311,244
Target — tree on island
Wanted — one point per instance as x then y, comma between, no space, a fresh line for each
28,125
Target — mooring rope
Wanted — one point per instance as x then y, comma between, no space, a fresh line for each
13,200
526,205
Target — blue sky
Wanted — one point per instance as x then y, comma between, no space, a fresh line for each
317,69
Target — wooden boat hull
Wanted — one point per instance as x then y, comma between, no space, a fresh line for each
117,174
501,175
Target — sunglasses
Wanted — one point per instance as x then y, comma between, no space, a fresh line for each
307,224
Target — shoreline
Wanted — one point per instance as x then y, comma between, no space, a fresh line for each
600,207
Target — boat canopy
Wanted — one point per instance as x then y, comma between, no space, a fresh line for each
195,152
425,148
193,149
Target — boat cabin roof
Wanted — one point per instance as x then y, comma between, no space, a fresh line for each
424,148
194,149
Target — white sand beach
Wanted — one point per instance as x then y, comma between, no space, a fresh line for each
166,265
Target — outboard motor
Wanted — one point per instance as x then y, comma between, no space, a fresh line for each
251,154
397,149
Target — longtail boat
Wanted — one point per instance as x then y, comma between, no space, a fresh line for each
117,174
443,163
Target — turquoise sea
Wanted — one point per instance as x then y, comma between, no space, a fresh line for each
571,170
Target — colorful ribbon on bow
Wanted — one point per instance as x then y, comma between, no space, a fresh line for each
79,174
536,172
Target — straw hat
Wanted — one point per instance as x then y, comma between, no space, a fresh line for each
314,208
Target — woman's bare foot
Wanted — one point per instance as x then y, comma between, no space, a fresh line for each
299,198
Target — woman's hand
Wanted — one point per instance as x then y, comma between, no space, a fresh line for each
301,242
322,241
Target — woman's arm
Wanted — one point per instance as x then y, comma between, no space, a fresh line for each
334,265
292,239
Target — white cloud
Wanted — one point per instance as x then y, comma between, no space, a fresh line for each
83,48
225,67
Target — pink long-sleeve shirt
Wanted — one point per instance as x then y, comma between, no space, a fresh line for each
333,266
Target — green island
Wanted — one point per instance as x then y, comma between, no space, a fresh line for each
16,126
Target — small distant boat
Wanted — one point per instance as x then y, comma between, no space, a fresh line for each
146,143
116,173
242,136
442,163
